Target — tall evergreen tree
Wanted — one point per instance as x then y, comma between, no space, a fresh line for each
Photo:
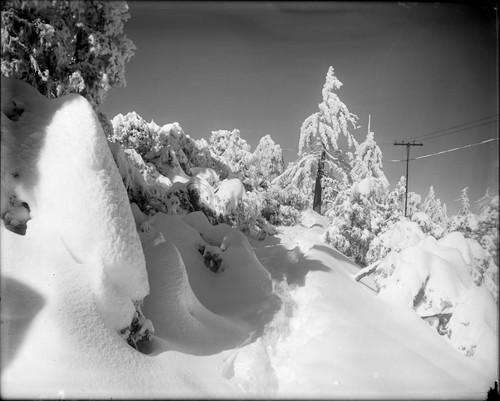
320,132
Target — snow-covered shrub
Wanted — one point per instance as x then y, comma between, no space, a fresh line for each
283,206
145,186
132,132
63,46
427,225
487,228
229,195
446,282
229,148
268,158
436,212
140,331
368,161
483,227
357,217
211,257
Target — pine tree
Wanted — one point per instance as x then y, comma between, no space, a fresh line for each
321,132
483,203
396,197
368,160
465,222
464,202
324,127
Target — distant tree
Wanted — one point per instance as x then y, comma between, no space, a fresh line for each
396,197
414,203
488,226
268,159
483,203
464,202
432,207
464,222
231,149
368,160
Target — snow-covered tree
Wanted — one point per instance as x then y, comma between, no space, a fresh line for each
464,202
132,132
65,46
320,133
396,197
465,222
333,119
368,160
434,210
231,149
414,203
268,158
359,214
488,226
483,203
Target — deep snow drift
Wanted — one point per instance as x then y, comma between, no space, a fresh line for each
282,317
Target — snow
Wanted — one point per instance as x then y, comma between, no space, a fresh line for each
282,317
364,187
434,278
229,194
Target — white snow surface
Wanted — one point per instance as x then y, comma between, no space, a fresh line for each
69,283
229,194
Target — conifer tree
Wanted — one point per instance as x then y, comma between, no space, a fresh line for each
464,202
320,133
368,160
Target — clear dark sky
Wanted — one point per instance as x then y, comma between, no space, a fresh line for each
259,67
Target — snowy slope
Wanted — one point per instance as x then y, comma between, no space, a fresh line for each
69,286
338,340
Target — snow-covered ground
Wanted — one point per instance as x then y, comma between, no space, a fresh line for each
282,317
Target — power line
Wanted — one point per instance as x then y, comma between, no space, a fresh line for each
445,151
457,126
460,130
447,129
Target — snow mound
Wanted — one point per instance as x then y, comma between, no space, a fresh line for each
242,284
65,187
180,319
230,194
364,187
445,282
310,218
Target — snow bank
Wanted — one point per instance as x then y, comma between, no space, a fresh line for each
444,282
75,180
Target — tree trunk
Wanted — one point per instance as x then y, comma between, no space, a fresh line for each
317,186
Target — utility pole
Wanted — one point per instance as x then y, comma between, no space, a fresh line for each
408,145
